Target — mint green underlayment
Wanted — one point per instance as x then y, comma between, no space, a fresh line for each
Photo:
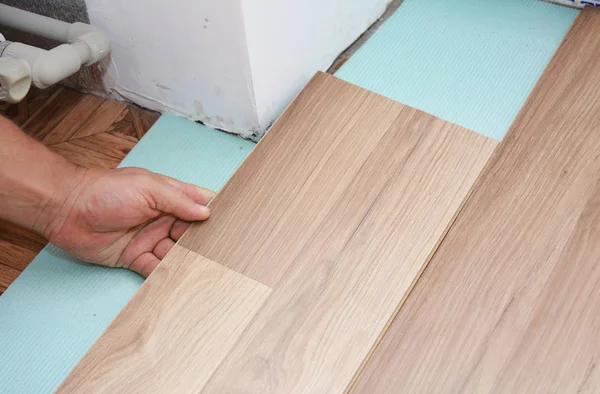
472,62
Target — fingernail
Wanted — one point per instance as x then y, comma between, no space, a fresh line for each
203,208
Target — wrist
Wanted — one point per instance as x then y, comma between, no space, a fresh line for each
57,197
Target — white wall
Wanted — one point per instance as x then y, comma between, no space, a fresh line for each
233,64
288,41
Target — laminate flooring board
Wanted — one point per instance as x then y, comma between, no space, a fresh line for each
560,347
339,222
219,304
506,304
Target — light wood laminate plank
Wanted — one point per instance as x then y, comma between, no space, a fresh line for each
338,209
471,324
197,309
560,347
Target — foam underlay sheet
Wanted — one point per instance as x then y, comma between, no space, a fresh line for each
470,62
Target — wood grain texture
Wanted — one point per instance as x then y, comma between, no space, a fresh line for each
560,347
107,113
7,276
196,309
52,113
15,256
29,106
338,221
113,145
74,120
509,301
20,236
85,157
135,122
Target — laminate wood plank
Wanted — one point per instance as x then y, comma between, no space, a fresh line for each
338,221
84,157
197,309
7,276
472,320
107,113
15,256
359,266
560,347
19,236
295,178
74,121
52,112
107,144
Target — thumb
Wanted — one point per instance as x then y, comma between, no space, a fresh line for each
169,199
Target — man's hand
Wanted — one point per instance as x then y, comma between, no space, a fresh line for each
127,217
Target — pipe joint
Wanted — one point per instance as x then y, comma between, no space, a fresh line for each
97,43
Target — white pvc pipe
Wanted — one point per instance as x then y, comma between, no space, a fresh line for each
47,67
84,45
33,23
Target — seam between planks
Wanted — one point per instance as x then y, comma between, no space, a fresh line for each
434,250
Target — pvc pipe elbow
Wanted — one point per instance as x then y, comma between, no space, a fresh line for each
15,79
55,65
96,41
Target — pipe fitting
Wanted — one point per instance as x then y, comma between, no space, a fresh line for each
47,67
55,65
83,45
97,43
15,79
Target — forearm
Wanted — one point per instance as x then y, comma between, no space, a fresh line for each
33,179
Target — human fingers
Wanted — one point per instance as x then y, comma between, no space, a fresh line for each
167,198
199,194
